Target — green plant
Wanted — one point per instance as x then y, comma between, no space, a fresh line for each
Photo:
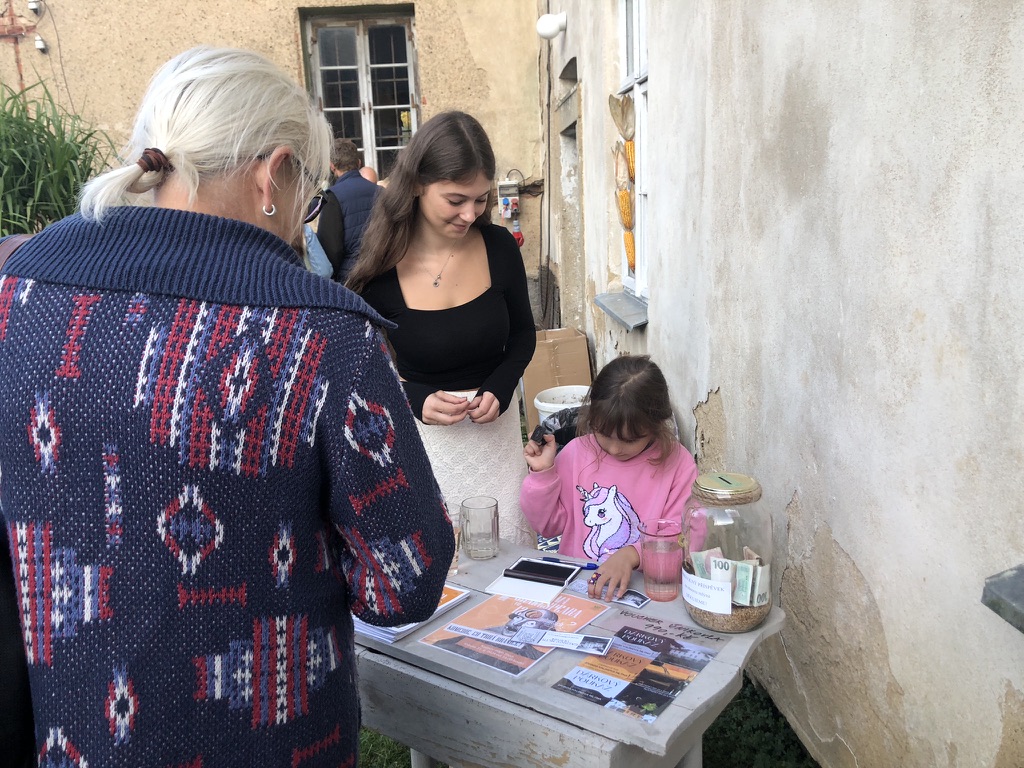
752,733
46,155
377,751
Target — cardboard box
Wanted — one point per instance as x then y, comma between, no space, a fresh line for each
562,357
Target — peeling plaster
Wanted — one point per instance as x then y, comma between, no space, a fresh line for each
829,669
1011,743
709,433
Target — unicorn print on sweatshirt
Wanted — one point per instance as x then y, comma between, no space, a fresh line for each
612,521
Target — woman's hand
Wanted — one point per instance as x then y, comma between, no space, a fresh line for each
538,457
484,409
443,409
614,573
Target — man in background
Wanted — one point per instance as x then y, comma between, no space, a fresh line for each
346,210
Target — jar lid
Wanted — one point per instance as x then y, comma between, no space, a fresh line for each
726,488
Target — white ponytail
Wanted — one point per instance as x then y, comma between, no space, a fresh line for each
211,111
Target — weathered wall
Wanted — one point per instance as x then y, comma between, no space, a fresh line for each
836,300
479,56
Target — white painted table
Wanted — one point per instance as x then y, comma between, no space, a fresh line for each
464,713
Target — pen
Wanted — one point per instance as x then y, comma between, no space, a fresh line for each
584,566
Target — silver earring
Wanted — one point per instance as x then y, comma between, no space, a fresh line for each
271,212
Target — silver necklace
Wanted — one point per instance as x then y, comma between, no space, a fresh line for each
437,277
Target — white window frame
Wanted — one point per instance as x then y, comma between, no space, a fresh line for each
371,143
633,47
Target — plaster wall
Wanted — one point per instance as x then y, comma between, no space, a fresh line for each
836,303
479,56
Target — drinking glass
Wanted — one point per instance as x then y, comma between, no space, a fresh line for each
479,515
662,558
453,513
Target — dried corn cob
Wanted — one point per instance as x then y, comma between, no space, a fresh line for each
625,208
631,159
630,244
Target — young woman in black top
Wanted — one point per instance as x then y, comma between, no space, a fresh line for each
454,285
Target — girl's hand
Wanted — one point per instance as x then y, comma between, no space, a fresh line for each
613,573
484,408
539,458
444,409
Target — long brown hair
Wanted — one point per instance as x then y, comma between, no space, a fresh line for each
451,146
628,399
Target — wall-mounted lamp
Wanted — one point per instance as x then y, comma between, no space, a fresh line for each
41,45
551,25
35,6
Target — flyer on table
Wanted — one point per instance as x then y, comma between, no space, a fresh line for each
485,633
648,665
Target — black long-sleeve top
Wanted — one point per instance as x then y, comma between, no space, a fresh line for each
484,344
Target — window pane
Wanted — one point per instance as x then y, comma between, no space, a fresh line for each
630,40
641,36
346,125
385,161
387,45
390,127
337,47
340,88
390,86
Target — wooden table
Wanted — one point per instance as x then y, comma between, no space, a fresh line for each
451,709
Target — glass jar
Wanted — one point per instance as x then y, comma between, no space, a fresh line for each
727,552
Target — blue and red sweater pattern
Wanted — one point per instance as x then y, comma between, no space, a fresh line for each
208,462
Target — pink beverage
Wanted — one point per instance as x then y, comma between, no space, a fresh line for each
662,558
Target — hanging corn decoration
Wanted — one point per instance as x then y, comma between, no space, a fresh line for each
624,153
625,202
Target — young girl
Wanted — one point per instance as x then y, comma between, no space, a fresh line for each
626,467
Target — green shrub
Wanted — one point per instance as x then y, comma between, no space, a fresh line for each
752,733
46,155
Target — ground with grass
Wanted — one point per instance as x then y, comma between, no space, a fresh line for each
750,733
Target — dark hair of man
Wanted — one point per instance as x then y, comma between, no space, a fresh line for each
345,156
451,146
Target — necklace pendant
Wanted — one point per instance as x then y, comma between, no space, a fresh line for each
437,281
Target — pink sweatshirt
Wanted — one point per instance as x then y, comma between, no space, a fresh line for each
597,502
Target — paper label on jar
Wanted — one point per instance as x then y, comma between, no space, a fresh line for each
708,595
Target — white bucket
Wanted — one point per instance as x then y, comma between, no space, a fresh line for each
550,401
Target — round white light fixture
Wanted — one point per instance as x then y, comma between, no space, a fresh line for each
551,25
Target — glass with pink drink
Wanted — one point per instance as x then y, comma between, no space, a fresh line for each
661,558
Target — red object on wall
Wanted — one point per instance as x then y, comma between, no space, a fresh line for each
517,234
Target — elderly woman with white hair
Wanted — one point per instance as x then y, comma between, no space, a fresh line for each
208,460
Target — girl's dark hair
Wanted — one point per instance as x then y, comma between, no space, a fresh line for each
629,398
451,146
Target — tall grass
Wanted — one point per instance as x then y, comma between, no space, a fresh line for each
46,155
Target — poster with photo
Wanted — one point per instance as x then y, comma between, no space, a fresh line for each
486,633
648,665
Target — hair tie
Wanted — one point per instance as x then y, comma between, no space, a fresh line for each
153,160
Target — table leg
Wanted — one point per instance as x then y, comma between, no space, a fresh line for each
694,758
420,760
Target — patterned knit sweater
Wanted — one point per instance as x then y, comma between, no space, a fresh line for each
206,462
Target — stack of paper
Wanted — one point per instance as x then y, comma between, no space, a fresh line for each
451,597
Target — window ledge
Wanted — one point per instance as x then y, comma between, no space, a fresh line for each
1004,594
624,308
